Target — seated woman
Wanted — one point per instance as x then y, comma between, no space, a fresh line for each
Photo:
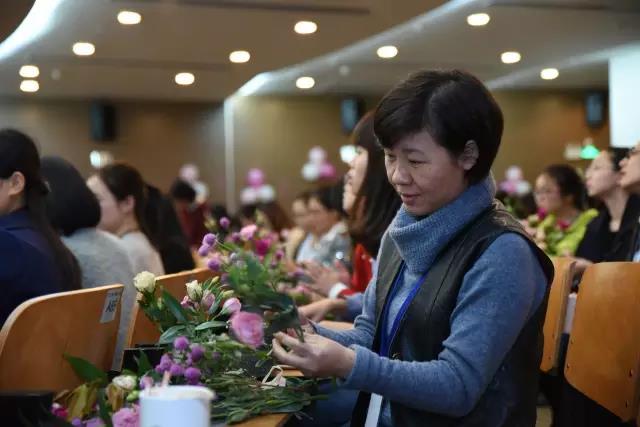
371,203
34,260
74,212
328,240
451,330
121,193
609,237
562,217
301,226
630,181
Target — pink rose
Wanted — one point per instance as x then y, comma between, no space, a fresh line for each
126,417
542,214
248,328
232,305
208,299
248,232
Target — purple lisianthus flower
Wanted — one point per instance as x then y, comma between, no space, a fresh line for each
232,305
204,250
197,351
247,232
59,410
176,370
181,343
214,264
186,302
96,422
235,237
279,254
192,375
225,222
208,299
126,417
76,422
209,239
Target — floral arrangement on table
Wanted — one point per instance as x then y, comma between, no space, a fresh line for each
555,236
209,337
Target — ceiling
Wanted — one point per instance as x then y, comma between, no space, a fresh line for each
575,36
184,35
139,62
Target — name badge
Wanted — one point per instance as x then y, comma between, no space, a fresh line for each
110,306
373,414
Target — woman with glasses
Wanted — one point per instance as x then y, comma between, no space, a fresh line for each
562,218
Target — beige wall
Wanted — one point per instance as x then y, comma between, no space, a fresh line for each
274,134
157,138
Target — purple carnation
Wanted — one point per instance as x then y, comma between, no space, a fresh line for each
279,254
176,370
225,222
209,239
165,364
197,351
262,247
192,375
235,237
214,264
181,343
204,250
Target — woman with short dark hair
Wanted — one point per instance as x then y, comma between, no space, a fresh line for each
451,329
34,260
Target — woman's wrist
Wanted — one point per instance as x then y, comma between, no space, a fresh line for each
345,366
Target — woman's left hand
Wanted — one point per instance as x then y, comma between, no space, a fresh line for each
326,278
317,356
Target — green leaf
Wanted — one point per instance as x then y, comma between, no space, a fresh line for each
86,370
210,324
174,306
143,363
103,409
170,334
254,268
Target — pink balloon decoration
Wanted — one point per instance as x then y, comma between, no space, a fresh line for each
327,171
255,178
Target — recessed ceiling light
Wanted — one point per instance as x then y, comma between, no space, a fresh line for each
305,27
305,82
185,79
129,17
239,56
29,71
510,57
84,49
549,74
387,52
478,19
29,86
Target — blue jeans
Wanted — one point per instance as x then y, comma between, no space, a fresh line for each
335,411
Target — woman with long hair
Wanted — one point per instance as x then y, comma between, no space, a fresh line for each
371,203
34,260
122,195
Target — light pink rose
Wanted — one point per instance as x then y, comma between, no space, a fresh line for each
208,299
248,328
248,231
232,305
126,417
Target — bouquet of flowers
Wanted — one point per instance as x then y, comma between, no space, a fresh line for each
209,335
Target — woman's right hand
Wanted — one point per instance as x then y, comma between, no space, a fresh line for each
316,311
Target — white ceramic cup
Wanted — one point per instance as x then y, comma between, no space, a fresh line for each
176,406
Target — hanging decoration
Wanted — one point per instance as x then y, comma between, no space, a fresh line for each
257,191
318,167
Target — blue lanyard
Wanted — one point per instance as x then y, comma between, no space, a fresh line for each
385,336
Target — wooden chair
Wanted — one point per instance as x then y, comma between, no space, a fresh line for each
603,359
41,330
556,311
141,330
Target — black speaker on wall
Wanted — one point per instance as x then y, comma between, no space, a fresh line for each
102,118
595,108
351,111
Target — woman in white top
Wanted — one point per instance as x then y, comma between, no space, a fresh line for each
121,193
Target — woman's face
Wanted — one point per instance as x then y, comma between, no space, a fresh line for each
320,218
602,178
424,174
354,178
630,170
548,196
300,214
112,216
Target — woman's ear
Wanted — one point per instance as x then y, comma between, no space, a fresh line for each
17,184
128,205
469,156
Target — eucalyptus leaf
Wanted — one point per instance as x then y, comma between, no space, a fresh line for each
172,333
210,324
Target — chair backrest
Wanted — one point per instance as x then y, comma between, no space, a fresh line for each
141,330
40,331
603,359
556,311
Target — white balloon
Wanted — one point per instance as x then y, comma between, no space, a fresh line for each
248,196
266,193
522,188
310,171
514,173
317,155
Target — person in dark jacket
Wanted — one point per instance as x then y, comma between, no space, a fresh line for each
34,261
451,329
609,235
